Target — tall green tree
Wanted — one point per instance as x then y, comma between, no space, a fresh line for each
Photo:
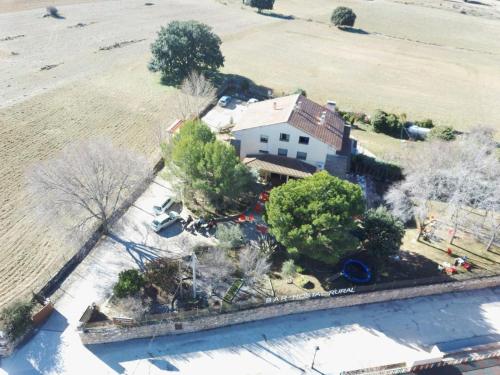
223,177
207,165
262,4
183,47
343,16
382,233
315,216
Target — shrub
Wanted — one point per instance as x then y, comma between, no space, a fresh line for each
129,282
445,133
353,117
427,123
52,11
379,170
387,123
262,4
253,265
289,269
382,233
16,319
343,16
230,236
267,245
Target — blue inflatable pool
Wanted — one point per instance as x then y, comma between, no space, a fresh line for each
351,263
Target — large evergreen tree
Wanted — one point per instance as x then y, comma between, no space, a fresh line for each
207,165
382,233
315,216
183,47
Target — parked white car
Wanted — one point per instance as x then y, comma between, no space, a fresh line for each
224,101
163,206
164,220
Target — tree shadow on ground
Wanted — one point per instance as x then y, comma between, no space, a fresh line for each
355,30
404,322
475,2
240,86
278,15
140,253
407,270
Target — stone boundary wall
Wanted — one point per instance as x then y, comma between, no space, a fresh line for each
113,333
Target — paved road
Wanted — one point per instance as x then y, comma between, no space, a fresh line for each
350,338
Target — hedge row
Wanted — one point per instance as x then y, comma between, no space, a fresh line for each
379,170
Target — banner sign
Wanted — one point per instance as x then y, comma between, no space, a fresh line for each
298,297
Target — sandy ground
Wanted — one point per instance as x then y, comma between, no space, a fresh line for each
421,58
91,93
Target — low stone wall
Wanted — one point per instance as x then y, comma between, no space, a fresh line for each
173,326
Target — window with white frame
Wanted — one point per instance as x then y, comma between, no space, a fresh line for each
264,139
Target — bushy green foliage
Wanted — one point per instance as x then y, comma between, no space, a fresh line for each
314,216
288,268
207,165
427,123
387,123
230,236
16,319
445,133
183,47
129,283
262,4
343,16
379,170
382,233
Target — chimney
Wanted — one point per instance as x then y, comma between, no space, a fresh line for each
331,105
298,105
322,118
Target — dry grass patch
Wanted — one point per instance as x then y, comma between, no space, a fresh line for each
418,60
126,107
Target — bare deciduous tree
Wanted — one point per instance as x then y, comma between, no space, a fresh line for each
87,183
131,307
462,174
215,266
196,92
254,264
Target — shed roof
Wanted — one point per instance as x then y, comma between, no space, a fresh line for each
280,165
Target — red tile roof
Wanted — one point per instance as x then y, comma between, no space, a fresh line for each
318,121
300,112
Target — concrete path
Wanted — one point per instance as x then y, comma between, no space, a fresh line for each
349,338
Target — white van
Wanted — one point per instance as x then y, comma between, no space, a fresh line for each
163,206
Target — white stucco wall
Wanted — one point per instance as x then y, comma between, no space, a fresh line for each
250,143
